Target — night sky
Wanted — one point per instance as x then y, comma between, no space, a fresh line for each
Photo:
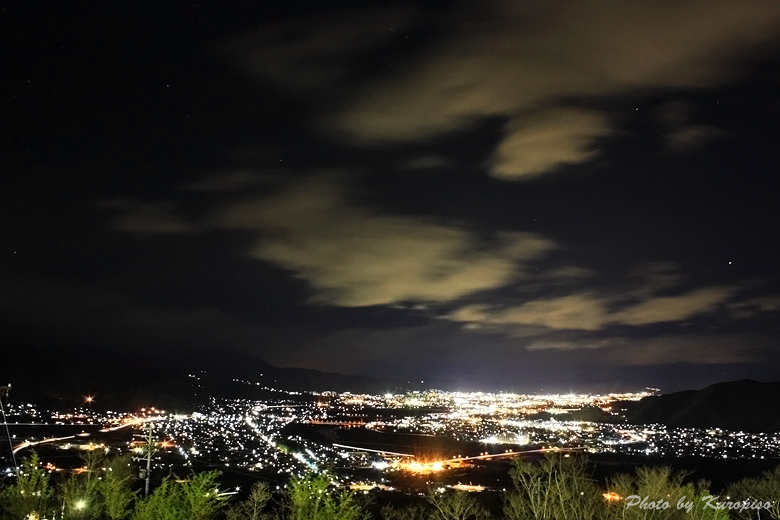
557,195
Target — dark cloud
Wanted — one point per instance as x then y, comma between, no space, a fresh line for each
92,316
698,349
691,136
665,349
315,56
652,277
423,162
680,132
753,307
150,218
229,181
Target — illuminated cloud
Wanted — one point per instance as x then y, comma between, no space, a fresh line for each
661,309
585,344
528,62
533,145
577,311
355,256
592,312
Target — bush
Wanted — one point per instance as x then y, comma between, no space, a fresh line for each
389,512
196,498
310,498
31,496
763,489
115,487
559,488
684,500
455,505
556,489
252,508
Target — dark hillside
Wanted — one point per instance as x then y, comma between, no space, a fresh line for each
738,405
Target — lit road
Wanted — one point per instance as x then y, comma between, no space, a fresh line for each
27,444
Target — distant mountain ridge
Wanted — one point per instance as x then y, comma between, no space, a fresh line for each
744,405
62,377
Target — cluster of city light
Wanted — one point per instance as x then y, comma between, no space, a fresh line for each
254,434
483,402
291,433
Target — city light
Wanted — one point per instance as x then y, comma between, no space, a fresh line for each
399,438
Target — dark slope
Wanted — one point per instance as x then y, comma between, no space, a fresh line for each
62,377
738,405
